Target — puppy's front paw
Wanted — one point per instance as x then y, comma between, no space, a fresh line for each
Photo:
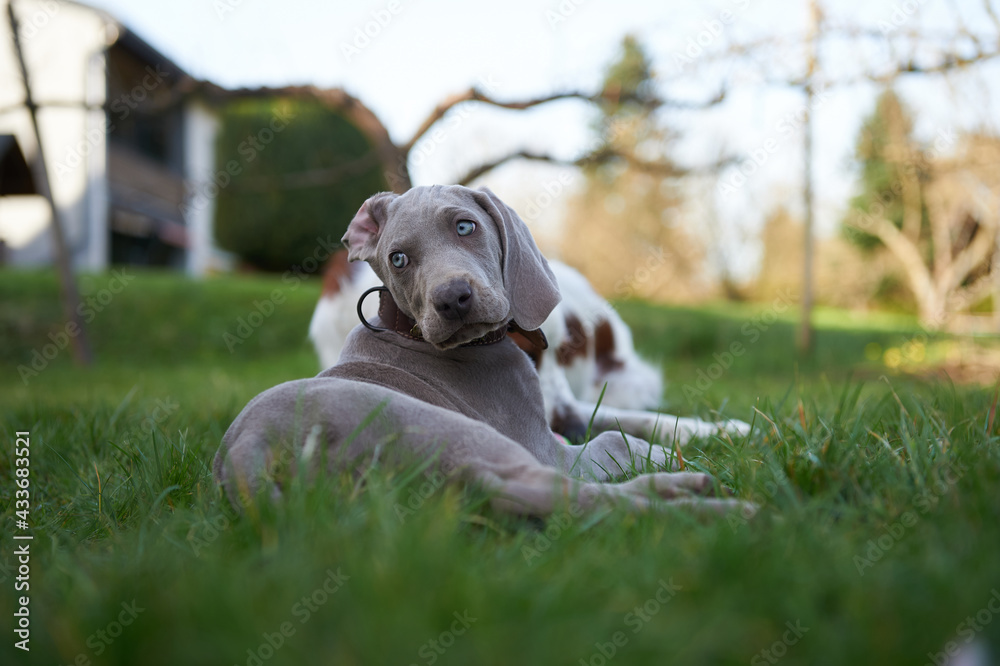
671,485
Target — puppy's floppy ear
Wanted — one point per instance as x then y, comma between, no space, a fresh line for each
530,285
364,230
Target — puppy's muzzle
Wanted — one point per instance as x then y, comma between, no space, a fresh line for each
453,300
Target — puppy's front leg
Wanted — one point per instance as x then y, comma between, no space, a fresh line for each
609,455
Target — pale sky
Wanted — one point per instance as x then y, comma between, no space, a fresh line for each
419,51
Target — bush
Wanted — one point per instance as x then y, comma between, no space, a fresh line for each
300,171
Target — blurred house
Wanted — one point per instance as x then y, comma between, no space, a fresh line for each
129,142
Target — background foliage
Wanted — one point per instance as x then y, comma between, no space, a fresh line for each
305,184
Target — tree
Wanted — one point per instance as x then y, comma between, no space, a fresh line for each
892,169
625,230
255,195
781,261
299,171
69,292
935,208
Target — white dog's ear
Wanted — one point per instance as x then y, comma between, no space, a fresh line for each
363,232
530,285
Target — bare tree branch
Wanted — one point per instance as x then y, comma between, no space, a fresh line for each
992,14
906,158
975,292
949,58
486,167
906,252
949,61
937,213
391,159
963,29
475,95
602,156
978,251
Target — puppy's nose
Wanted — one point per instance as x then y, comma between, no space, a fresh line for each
453,300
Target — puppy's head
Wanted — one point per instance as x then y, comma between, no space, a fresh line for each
458,261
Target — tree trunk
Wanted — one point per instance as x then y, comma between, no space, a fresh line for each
69,293
805,341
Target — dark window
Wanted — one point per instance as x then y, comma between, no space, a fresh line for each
15,176
143,108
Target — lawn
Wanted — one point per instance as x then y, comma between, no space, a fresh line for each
878,540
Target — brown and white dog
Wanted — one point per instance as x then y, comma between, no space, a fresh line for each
590,350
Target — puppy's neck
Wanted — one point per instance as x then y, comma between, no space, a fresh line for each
402,324
396,320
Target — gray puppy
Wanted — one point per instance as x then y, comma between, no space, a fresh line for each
438,374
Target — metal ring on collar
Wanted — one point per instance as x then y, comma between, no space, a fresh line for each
361,314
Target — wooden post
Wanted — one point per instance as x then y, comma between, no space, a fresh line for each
70,295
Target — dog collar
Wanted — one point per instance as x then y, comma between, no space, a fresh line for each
401,324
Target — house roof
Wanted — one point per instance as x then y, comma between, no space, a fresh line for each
128,39
143,50
184,84
212,93
336,98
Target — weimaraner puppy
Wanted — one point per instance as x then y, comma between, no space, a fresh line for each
438,376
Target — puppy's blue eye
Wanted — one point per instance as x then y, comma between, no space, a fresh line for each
398,259
465,227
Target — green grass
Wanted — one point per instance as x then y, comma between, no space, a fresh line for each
878,532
